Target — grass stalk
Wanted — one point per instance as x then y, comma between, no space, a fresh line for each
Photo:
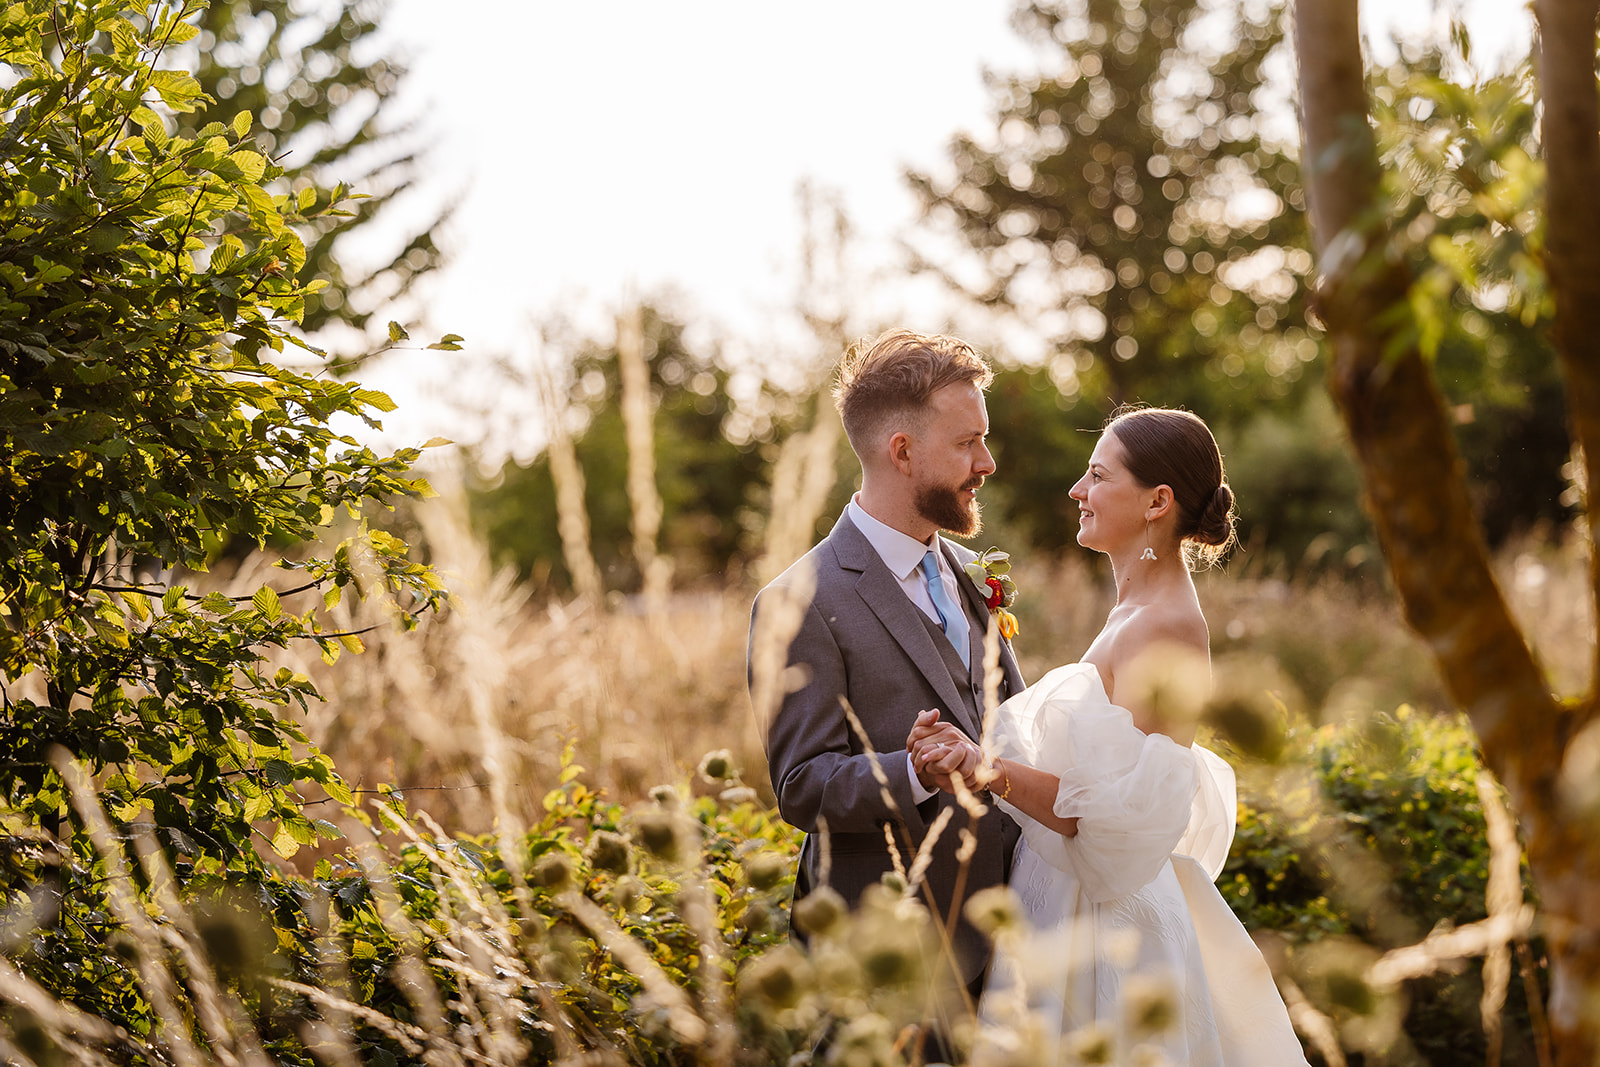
572,514
644,499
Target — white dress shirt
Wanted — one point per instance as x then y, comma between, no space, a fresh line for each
902,554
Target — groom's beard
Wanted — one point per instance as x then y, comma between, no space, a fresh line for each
942,504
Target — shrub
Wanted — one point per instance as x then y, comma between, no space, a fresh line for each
1374,830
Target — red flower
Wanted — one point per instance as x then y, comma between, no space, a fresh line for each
997,595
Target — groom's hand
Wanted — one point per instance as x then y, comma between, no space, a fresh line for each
940,753
922,744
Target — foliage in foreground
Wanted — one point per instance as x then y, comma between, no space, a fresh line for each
657,934
148,285
1373,835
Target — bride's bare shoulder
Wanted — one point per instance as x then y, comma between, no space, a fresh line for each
1170,624
1152,629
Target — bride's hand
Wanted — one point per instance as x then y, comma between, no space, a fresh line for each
926,726
941,754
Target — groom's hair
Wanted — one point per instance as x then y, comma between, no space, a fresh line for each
892,378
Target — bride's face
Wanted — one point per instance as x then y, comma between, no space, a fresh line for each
1111,504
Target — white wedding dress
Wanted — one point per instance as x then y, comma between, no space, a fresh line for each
1130,941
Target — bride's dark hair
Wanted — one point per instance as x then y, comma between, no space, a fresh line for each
1166,446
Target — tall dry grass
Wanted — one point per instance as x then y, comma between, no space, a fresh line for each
642,701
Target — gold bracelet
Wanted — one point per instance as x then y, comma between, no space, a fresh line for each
1005,794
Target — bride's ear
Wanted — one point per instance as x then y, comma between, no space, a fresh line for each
1161,501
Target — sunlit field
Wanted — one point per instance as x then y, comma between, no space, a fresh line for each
307,761
643,697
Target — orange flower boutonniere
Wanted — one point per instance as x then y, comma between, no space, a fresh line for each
992,573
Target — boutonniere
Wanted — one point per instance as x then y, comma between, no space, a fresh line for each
991,571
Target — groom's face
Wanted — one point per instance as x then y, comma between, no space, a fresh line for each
953,459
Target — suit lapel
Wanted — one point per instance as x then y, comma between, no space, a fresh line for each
882,594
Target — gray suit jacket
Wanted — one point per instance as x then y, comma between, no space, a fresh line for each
864,640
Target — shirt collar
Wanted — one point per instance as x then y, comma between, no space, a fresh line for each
900,552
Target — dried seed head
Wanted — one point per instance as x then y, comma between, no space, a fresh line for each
657,833
553,871
888,964
994,910
1149,1005
718,766
778,979
764,870
865,1041
758,918
820,912
626,893
1252,722
1091,1045
236,937
738,794
609,852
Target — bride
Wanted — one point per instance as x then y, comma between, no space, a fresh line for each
1126,823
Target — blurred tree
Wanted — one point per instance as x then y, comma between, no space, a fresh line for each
1384,313
1131,212
322,84
707,481
1131,215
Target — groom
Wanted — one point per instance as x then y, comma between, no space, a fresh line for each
896,628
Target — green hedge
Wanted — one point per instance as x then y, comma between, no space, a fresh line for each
1375,831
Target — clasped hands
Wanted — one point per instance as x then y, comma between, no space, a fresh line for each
940,753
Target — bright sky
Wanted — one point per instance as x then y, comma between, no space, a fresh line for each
602,151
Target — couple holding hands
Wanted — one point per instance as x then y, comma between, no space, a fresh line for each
1101,814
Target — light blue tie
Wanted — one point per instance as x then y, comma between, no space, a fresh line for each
953,618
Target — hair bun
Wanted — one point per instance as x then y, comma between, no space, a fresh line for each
1215,526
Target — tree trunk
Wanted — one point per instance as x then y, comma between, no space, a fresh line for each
1571,139
1417,494
1570,132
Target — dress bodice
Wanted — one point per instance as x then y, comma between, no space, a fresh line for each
1139,798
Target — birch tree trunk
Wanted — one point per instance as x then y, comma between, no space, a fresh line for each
1416,491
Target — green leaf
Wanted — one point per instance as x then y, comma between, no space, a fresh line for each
375,398
242,123
397,332
266,602
178,89
140,604
182,33
257,807
283,842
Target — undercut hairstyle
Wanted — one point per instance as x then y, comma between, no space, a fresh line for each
1166,446
886,385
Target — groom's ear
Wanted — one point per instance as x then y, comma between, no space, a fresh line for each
900,451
